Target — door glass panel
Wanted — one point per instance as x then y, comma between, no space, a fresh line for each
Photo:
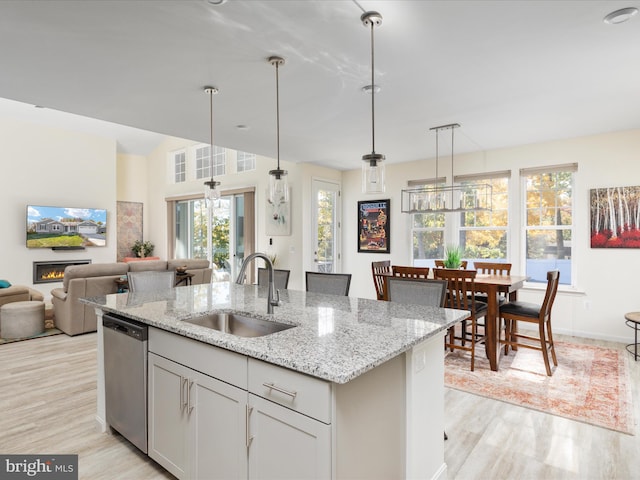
325,224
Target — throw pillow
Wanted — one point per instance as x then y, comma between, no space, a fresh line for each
4,284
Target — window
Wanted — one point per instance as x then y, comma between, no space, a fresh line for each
179,167
480,234
219,161
548,231
484,234
246,161
204,167
427,232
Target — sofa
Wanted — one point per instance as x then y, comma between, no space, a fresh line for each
97,279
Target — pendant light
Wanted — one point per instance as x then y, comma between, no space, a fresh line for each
438,198
278,186
211,191
372,163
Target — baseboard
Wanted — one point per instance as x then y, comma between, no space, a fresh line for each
101,425
441,474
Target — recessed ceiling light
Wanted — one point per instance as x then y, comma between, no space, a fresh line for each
620,16
367,88
216,2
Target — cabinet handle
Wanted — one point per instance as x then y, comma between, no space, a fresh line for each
248,436
189,405
272,386
183,403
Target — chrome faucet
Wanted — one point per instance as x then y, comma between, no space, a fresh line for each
273,299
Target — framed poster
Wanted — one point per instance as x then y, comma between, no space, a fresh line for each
373,226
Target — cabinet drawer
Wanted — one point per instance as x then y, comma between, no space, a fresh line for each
299,392
216,362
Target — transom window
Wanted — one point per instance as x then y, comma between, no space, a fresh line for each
246,161
179,167
204,167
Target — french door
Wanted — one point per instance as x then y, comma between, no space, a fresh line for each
223,234
326,209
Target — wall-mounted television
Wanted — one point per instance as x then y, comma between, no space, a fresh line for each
66,227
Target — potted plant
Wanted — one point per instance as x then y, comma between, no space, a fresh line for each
142,249
453,256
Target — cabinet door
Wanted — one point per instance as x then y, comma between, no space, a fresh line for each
218,424
286,444
168,414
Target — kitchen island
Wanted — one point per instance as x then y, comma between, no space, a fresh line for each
354,390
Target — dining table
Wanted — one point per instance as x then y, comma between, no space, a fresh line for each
493,286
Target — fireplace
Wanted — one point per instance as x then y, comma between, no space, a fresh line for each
48,272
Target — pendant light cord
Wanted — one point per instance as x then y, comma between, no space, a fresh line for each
277,115
373,94
211,133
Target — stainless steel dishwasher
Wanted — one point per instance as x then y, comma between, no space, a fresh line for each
125,376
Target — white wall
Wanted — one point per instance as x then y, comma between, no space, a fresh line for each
50,166
605,278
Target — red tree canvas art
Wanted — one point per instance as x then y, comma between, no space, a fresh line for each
615,217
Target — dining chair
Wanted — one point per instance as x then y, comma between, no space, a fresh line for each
410,272
461,286
379,270
280,277
492,268
151,281
417,291
331,283
514,312
463,264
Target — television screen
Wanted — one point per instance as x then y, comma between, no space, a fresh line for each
65,227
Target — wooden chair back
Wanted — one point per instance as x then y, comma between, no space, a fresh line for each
492,268
461,287
410,272
379,270
463,264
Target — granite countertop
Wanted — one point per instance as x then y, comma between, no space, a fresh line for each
336,338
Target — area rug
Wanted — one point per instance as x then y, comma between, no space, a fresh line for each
591,384
47,332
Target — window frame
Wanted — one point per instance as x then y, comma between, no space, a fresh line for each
525,174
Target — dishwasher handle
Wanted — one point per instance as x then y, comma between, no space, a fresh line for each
136,330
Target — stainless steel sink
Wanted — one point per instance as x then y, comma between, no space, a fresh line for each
239,325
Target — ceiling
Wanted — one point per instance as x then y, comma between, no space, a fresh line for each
510,72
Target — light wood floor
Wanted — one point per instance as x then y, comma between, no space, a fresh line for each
496,440
47,405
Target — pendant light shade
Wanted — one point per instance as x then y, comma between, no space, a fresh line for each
278,185
211,190
372,163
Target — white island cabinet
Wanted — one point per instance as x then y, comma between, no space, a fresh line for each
354,390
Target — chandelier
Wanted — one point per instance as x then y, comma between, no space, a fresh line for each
438,198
